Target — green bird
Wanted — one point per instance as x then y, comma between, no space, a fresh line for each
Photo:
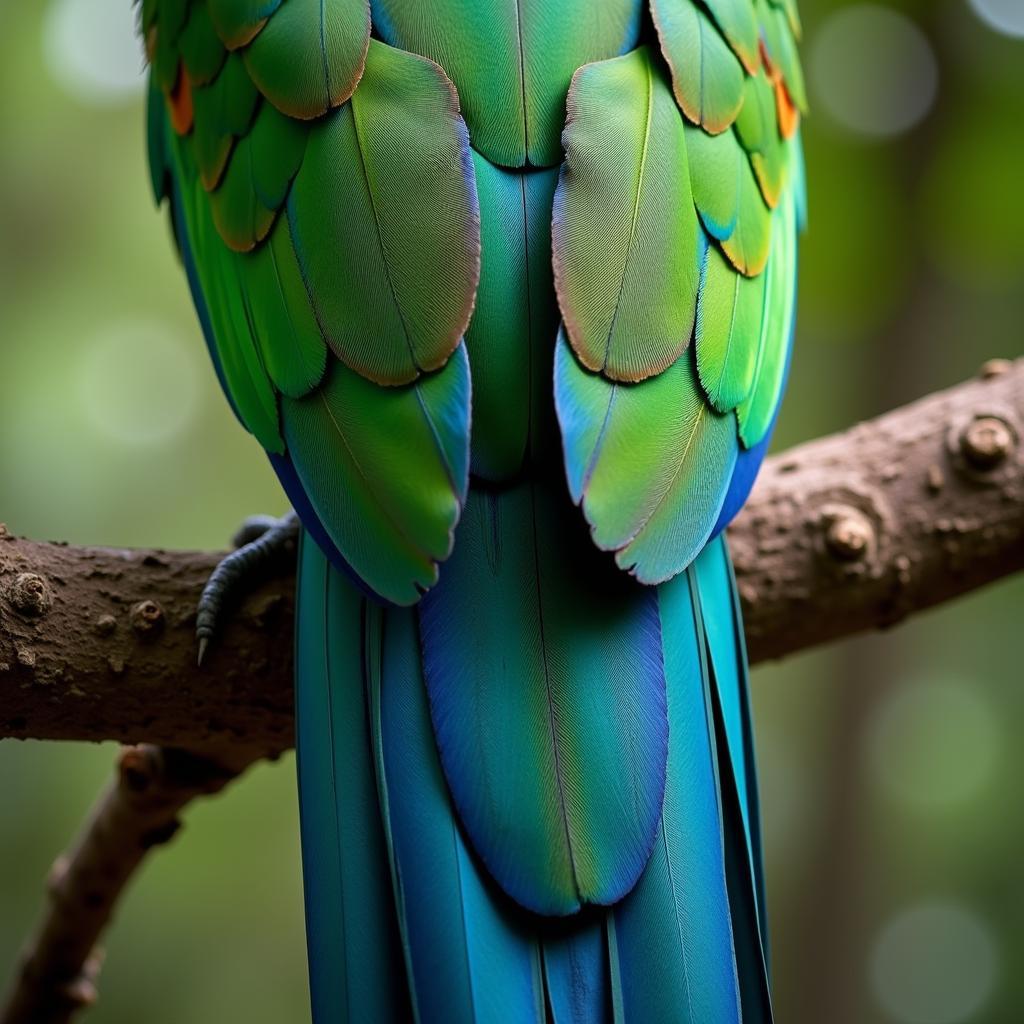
505,288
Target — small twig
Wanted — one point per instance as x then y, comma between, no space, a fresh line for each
58,969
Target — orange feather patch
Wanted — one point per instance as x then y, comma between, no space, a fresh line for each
179,103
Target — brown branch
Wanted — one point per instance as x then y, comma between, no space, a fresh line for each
843,534
57,972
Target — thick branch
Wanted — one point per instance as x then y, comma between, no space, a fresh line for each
843,534
57,973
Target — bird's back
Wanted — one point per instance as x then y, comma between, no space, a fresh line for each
463,265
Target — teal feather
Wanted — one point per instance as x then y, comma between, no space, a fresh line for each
355,956
576,970
672,939
511,337
471,956
728,661
547,694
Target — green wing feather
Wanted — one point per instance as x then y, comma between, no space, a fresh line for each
202,51
512,61
224,110
310,55
652,432
707,77
729,315
624,235
395,298
650,463
756,412
335,293
387,469
238,21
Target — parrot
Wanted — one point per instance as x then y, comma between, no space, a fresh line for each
506,291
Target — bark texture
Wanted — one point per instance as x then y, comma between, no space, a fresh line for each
847,533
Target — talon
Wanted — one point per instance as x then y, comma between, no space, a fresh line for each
265,545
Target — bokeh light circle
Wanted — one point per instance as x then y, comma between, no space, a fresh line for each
92,49
933,744
1006,16
873,71
139,382
935,963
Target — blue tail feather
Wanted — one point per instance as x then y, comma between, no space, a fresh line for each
354,954
404,919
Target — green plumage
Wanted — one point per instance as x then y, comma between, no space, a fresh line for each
728,331
386,470
656,462
512,61
706,75
395,299
625,234
310,55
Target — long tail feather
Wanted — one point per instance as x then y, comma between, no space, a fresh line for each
672,936
472,957
576,973
354,952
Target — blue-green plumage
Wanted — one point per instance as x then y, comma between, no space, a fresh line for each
462,265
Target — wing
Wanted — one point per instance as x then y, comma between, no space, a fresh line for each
674,240
325,206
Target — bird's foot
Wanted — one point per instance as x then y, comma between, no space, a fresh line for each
264,546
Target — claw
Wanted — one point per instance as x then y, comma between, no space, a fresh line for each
263,543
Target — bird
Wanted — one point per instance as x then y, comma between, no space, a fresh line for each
506,290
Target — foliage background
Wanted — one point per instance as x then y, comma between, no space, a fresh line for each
891,765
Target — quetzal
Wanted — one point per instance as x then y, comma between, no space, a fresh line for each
506,289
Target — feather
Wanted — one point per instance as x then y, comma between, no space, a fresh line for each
625,240
650,463
757,411
512,62
780,44
729,313
386,470
547,696
238,21
716,166
470,955
293,350
739,26
758,131
259,172
707,78
511,337
748,245
202,51
673,952
236,350
576,970
355,956
723,632
385,221
310,55
224,110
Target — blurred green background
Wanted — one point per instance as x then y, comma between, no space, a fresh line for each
890,764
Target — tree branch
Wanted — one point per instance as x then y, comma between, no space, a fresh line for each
843,534
57,972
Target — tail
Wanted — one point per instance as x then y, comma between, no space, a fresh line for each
419,784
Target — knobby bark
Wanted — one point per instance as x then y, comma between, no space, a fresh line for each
843,534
